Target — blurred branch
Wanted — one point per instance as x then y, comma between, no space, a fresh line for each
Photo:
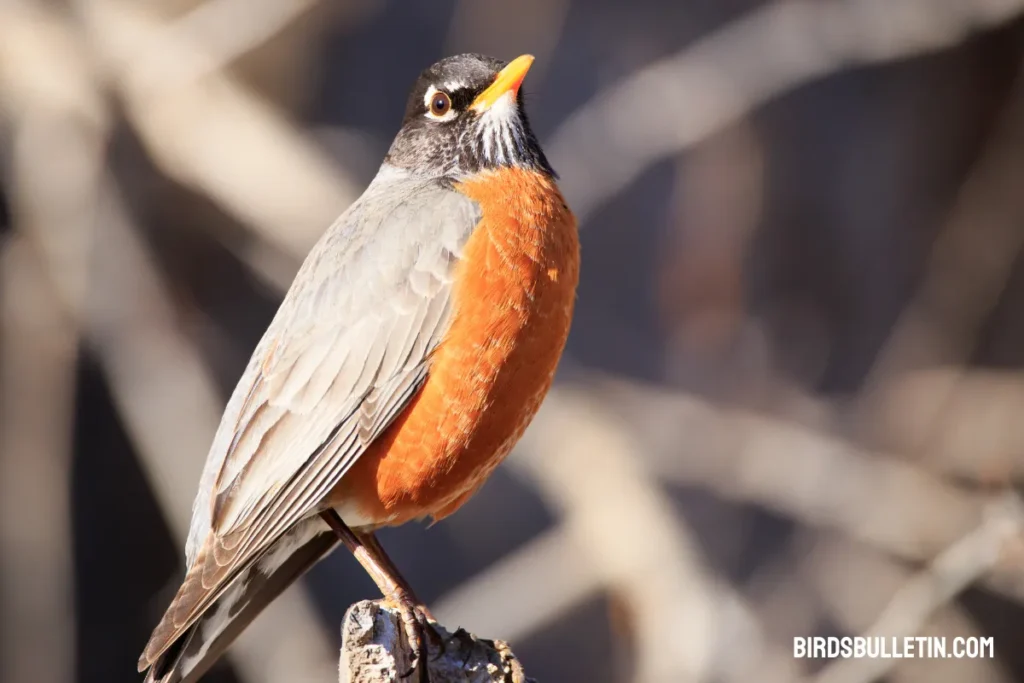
658,574
970,264
37,391
60,125
713,83
162,390
969,421
226,30
814,478
373,650
553,573
58,133
215,135
810,476
970,261
951,572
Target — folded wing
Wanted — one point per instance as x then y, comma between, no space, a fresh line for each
346,351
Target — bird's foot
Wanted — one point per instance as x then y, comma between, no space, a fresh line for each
416,622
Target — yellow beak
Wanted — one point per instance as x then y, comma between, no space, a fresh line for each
508,80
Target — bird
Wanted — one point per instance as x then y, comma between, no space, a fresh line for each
413,348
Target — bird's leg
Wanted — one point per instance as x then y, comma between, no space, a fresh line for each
377,550
390,586
423,614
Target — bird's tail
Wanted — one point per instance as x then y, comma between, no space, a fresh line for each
195,651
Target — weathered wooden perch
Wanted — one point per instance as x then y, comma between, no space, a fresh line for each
374,650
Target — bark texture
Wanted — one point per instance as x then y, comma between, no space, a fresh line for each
374,650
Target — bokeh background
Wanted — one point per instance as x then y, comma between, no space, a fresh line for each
792,401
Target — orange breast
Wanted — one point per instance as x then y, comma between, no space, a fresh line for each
514,295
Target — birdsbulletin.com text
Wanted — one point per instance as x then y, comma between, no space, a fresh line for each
883,647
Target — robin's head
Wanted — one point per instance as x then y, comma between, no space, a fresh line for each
464,115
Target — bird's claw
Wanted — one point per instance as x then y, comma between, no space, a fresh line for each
418,629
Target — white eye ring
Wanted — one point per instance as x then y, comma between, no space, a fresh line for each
428,101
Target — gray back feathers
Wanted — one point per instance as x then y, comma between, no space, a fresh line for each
346,350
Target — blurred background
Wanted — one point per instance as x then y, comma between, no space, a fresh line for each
792,402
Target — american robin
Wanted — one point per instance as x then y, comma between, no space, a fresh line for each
409,355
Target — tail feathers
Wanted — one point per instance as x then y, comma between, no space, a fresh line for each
202,643
193,598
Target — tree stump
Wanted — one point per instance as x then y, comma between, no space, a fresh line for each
374,650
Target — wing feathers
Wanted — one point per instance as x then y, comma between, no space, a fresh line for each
345,353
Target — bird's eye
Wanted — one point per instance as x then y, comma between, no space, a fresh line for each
440,104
